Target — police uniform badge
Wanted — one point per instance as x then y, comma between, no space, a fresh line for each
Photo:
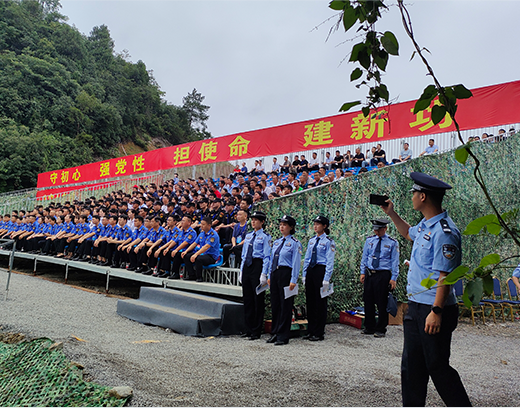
190,236
449,251
212,240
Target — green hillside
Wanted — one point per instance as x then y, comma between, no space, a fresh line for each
68,98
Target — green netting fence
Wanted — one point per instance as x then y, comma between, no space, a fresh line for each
345,202
33,374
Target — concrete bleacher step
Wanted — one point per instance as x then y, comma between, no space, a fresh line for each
183,312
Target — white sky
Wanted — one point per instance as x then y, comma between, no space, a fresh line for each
261,64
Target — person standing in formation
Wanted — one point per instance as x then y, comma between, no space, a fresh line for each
317,270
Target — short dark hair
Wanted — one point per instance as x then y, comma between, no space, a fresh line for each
207,220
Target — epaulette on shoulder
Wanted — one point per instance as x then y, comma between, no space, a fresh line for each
445,226
294,239
392,239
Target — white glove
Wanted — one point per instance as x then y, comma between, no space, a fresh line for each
303,280
240,276
263,279
325,285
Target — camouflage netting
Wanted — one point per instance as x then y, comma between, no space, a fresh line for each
346,204
33,373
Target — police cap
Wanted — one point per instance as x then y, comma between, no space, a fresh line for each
424,182
229,202
289,220
322,220
379,223
259,215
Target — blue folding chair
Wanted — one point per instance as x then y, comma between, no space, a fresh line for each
480,309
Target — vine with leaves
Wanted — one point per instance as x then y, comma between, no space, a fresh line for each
372,54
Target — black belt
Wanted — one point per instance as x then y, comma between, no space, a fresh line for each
378,270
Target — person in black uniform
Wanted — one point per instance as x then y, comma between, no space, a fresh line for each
284,269
317,270
256,253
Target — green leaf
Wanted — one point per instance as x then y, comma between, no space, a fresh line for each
383,92
487,284
381,59
473,292
438,113
366,111
475,226
461,92
494,227
354,55
356,74
364,58
429,93
428,282
461,155
389,43
337,5
456,274
349,17
489,260
347,106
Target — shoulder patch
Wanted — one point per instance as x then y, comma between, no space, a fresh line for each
445,227
449,251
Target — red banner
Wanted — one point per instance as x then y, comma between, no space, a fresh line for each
490,106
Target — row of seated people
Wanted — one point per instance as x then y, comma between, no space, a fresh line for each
151,248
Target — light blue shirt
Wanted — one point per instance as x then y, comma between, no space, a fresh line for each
436,248
405,153
261,249
325,255
516,272
430,150
388,258
290,256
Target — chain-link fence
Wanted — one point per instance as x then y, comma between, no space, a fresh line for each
346,204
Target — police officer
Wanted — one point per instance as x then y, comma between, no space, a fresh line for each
283,272
432,314
208,253
317,270
379,270
256,253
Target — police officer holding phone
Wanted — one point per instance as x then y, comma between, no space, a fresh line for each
432,314
379,271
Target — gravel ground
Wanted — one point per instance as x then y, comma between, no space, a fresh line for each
347,369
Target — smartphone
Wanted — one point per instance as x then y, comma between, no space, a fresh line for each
377,199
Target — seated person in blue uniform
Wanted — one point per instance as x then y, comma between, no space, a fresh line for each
171,259
209,243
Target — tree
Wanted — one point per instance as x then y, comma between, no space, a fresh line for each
197,113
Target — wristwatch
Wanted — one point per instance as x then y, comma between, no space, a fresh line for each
437,310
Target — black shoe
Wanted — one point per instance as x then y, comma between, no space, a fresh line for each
164,275
316,338
115,265
199,280
147,271
271,339
84,260
175,276
281,343
131,269
365,331
106,263
139,269
76,258
379,334
245,335
254,337
307,337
